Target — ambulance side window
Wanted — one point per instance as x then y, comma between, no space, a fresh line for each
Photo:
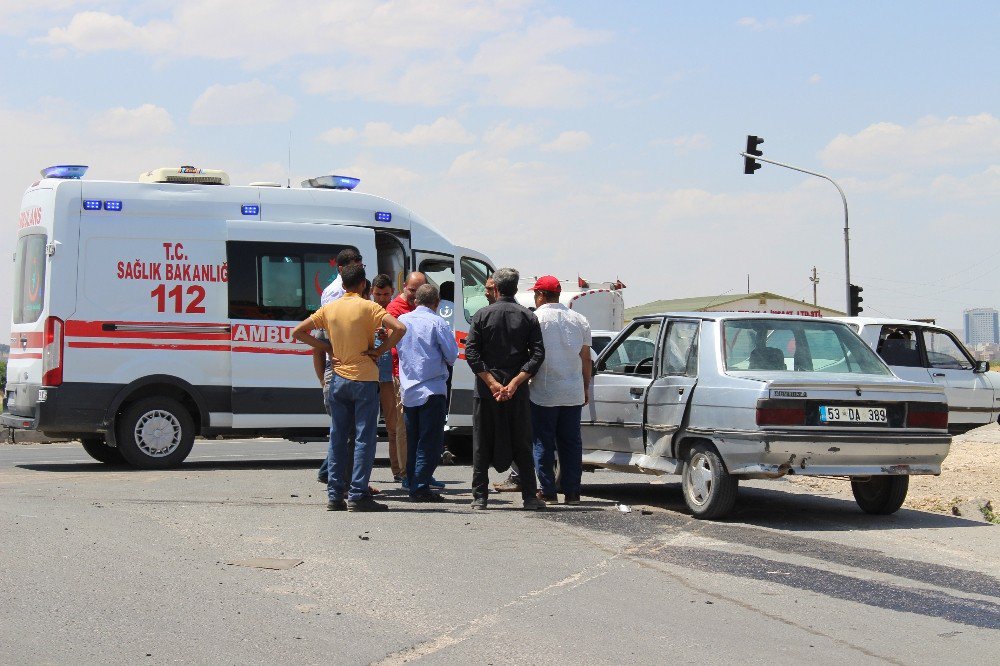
278,281
474,275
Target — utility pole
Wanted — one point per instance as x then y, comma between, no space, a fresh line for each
752,156
815,280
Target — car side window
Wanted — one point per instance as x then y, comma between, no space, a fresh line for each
897,345
680,349
633,353
944,352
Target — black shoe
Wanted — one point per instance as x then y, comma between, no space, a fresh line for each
366,504
426,497
533,504
336,505
322,479
479,503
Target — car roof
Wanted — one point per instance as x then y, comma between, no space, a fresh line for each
879,321
719,316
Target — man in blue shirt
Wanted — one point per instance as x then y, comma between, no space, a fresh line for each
425,356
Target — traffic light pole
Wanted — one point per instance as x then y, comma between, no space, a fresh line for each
847,234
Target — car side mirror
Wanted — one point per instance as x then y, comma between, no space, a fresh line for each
982,366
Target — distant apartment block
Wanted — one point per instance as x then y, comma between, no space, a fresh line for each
982,326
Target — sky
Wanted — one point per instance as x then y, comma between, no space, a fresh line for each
567,138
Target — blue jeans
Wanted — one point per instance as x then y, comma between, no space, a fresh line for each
425,441
353,410
557,429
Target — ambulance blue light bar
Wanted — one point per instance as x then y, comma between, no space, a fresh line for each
64,171
332,182
383,217
250,209
92,204
113,205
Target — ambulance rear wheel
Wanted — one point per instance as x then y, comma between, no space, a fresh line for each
98,449
155,433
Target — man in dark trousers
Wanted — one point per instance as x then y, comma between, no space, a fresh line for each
504,349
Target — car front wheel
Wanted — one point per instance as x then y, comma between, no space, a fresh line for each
709,489
880,495
155,433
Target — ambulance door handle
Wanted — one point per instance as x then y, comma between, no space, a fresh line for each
939,374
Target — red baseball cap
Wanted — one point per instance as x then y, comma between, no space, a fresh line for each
547,283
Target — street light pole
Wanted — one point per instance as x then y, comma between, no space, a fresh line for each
847,234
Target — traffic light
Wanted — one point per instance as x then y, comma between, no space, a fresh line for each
749,163
854,307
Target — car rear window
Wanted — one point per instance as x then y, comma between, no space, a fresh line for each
29,278
773,345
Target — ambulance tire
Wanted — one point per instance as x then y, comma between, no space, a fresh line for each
98,449
155,433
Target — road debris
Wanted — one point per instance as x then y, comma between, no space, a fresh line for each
276,563
624,508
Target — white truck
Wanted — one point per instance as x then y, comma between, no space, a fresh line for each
600,302
146,313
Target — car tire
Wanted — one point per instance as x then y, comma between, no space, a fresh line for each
880,495
709,490
155,433
99,450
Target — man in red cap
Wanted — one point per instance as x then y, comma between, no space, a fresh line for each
559,390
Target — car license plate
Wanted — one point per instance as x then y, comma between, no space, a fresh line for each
852,415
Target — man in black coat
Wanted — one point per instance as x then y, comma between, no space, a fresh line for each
504,349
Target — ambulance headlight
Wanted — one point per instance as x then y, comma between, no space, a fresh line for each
64,171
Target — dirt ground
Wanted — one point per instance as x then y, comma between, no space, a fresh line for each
970,472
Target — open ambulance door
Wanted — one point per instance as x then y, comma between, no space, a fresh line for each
277,272
473,269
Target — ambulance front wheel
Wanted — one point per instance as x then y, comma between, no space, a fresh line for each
155,433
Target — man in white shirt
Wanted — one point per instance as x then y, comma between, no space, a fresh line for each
559,391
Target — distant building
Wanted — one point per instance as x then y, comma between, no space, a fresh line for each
982,326
760,302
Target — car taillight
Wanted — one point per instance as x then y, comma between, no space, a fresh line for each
771,413
927,415
52,352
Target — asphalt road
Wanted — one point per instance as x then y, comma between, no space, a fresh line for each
102,565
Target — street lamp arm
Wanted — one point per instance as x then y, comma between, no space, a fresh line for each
843,197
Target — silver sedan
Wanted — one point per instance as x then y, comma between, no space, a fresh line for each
721,397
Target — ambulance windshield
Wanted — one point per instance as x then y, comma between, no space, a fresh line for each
29,278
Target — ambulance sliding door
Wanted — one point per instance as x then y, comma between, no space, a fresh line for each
277,272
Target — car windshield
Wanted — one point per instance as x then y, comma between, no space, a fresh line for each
803,346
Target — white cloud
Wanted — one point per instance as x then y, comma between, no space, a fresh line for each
139,123
930,142
568,142
242,104
504,137
977,188
757,24
685,144
519,72
814,79
441,131
339,135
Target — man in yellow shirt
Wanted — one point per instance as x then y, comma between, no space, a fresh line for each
350,323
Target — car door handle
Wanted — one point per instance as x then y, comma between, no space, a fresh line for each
939,374
680,390
636,392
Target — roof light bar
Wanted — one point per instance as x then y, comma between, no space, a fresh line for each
332,182
65,171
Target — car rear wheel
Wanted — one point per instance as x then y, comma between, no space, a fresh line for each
155,433
99,450
709,489
880,495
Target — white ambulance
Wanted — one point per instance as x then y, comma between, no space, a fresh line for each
146,313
